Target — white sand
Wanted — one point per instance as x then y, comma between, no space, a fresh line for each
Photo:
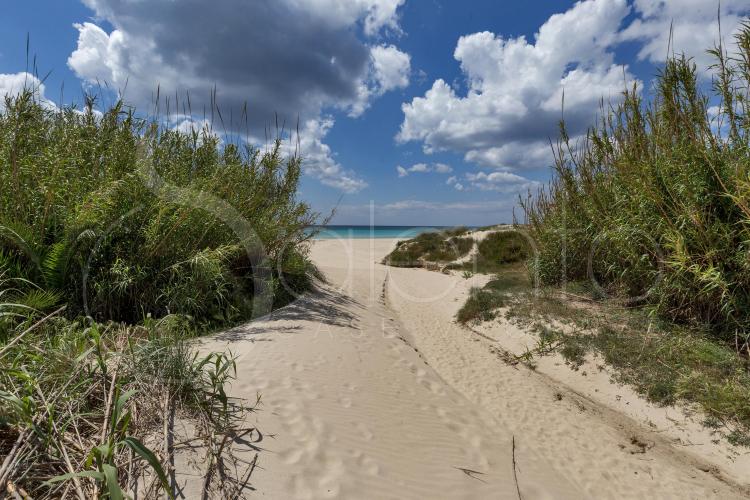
370,390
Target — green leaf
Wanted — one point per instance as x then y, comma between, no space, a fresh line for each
149,457
87,473
113,486
119,405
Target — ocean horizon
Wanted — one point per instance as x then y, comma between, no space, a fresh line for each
360,232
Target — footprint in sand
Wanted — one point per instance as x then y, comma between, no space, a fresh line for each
366,463
365,431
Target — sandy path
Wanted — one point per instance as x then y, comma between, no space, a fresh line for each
586,442
370,391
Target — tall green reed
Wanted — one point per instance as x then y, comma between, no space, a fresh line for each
654,204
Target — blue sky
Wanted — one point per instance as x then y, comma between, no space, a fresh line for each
462,96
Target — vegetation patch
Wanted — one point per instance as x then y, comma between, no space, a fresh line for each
119,242
431,247
645,224
483,303
85,409
665,362
655,203
495,251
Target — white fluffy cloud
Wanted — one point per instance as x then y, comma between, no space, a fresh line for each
498,181
11,84
318,159
442,168
515,87
323,60
453,181
695,27
514,96
422,168
389,70
391,67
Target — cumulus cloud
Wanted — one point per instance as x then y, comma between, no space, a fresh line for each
695,27
422,168
389,69
453,181
11,84
514,90
515,87
318,159
374,14
498,181
321,57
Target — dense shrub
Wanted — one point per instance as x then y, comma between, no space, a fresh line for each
124,219
119,241
443,246
495,252
504,247
655,203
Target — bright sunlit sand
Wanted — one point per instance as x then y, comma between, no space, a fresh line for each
371,390
374,249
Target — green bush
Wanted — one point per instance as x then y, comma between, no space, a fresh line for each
481,305
443,246
504,247
495,252
119,241
655,203
124,219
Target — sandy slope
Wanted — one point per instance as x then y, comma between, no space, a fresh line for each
370,391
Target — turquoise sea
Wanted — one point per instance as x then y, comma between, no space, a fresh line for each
350,232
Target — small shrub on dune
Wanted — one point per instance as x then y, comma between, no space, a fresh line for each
443,246
504,247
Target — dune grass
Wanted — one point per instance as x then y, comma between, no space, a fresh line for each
87,200
654,204
665,362
483,303
495,251
431,247
120,240
641,244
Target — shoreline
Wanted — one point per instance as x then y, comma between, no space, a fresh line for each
370,390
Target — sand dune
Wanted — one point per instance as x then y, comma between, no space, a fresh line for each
369,390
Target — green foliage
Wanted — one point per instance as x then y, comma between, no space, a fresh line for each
655,203
495,251
144,237
504,247
87,216
483,303
96,393
665,362
443,246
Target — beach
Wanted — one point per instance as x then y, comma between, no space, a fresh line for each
370,390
